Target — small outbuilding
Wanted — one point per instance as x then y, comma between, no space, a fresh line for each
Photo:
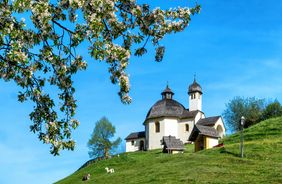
172,145
204,137
135,141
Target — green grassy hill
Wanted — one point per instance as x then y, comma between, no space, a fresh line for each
262,162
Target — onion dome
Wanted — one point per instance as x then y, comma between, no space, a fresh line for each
195,87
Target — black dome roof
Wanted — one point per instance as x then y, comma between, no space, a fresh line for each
166,107
195,87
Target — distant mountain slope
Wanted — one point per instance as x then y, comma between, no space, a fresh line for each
262,162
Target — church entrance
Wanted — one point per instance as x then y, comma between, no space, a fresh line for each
141,146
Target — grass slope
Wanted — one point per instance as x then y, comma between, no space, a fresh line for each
262,162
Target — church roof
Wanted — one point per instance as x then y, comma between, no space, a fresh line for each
169,108
171,143
202,130
135,135
195,87
189,114
210,121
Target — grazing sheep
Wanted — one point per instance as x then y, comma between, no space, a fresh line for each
110,170
86,177
107,169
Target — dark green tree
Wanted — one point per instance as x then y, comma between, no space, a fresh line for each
250,108
100,144
272,110
41,51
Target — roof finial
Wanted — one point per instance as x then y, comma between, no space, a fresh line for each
167,84
194,77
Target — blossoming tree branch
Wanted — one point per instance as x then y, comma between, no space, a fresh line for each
41,51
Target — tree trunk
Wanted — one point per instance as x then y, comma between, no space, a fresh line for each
106,153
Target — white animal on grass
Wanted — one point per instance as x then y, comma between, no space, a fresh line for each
110,170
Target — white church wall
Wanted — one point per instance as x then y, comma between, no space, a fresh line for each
170,127
199,116
133,147
183,135
154,138
147,136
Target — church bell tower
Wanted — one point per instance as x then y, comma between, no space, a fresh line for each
195,96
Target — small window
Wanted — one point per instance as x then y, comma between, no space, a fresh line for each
132,143
157,126
168,96
186,127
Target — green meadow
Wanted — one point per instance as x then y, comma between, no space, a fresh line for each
262,162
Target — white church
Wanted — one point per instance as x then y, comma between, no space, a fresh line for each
169,125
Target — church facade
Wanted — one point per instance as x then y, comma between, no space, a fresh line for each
167,118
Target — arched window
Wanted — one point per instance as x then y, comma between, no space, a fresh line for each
186,127
157,126
132,143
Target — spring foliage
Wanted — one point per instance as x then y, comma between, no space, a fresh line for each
41,51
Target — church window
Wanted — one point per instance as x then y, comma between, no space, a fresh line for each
186,127
168,96
157,126
132,143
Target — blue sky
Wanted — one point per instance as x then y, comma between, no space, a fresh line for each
234,47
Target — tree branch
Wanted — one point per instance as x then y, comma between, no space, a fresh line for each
58,24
